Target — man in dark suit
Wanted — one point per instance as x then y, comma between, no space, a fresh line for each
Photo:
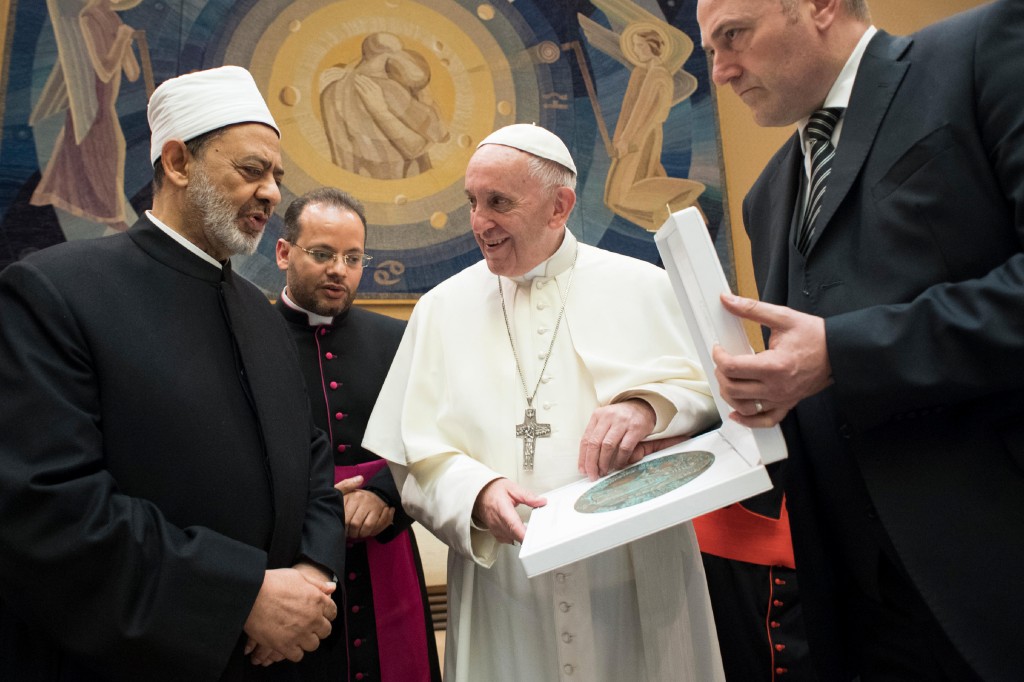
345,352
167,510
890,267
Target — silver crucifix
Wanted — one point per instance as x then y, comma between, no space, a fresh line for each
530,431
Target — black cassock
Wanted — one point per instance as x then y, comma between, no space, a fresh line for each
157,455
388,634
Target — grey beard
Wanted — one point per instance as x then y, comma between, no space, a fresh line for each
219,219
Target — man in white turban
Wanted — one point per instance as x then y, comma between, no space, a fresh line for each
166,507
548,361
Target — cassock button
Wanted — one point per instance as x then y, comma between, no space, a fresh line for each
359,676
542,331
545,379
334,385
567,637
357,642
342,448
352,576
355,609
781,671
542,305
541,356
780,581
777,602
322,331
339,415
775,624
780,647
568,669
329,355
560,577
564,607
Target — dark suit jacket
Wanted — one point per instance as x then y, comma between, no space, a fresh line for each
917,267
157,454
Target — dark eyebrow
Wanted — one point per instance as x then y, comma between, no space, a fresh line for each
263,163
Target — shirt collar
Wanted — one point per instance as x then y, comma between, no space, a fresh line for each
314,319
559,262
839,95
176,236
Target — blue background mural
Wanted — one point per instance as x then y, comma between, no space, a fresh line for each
384,98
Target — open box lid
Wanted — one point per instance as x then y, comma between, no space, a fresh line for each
697,277
679,483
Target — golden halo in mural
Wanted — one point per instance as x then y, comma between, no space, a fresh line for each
385,100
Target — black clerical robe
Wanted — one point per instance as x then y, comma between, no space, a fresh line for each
389,634
157,455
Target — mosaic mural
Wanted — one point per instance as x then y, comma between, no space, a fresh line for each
383,98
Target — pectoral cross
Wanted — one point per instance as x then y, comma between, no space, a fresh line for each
530,431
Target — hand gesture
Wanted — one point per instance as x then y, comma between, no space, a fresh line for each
495,509
612,439
763,388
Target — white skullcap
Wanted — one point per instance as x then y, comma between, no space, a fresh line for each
185,107
534,140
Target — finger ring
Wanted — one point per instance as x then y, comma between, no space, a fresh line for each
759,406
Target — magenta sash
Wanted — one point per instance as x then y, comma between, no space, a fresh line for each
397,601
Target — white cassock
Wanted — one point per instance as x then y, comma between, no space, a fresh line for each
446,419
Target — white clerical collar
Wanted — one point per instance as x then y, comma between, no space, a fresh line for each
839,95
314,319
559,262
181,240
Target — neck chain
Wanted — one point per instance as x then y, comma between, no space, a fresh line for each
530,430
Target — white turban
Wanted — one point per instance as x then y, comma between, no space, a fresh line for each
185,107
534,140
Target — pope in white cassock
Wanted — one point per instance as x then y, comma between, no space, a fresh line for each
548,361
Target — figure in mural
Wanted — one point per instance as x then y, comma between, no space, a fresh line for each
637,187
85,173
378,114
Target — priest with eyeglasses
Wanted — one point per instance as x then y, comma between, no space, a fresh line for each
345,352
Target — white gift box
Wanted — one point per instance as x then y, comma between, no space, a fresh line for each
589,517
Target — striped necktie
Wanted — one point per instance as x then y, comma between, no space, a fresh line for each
819,131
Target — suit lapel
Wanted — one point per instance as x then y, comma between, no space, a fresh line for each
878,77
784,187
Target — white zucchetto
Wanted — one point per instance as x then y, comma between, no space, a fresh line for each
534,140
187,106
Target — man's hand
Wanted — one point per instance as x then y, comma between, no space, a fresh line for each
611,440
366,514
292,613
763,388
495,509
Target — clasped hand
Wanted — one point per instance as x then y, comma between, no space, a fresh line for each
292,613
366,514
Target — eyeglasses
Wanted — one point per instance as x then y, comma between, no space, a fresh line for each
351,260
